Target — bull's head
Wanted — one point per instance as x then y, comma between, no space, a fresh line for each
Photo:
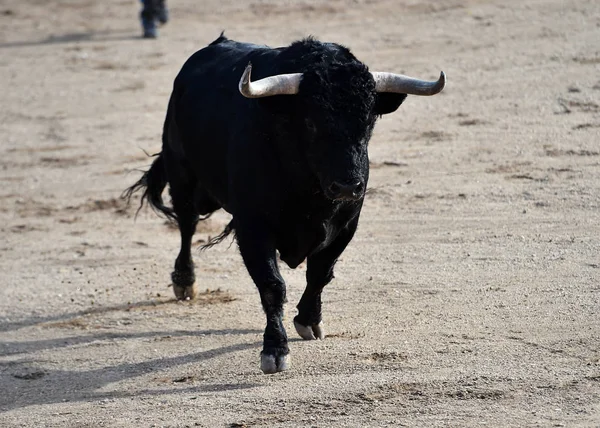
337,109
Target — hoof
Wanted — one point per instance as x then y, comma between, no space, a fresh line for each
270,364
185,293
311,332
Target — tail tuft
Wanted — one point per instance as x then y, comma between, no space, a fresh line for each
153,182
219,238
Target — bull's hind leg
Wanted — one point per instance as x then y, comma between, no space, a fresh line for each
188,204
319,273
183,276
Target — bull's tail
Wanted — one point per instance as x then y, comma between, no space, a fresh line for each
153,182
220,237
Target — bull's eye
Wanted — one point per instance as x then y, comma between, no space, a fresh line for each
310,126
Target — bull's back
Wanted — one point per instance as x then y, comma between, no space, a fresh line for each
206,110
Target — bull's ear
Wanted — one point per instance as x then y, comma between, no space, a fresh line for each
387,102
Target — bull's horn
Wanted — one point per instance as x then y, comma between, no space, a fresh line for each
281,84
400,84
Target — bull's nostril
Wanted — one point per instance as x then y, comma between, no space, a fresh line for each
335,189
358,188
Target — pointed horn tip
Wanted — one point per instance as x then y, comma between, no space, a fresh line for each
245,80
441,81
437,86
247,72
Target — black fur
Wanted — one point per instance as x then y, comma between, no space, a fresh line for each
276,164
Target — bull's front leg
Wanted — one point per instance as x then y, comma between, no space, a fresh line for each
257,246
319,273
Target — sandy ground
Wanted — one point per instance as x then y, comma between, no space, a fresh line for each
469,296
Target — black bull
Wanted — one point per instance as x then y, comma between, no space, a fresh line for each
284,151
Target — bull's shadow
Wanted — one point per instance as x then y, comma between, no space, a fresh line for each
69,320
30,386
70,316
57,386
11,348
